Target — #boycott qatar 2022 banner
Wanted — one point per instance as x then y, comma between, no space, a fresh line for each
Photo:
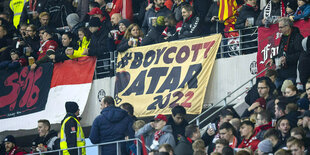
158,77
269,40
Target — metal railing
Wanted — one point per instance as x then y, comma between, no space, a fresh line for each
197,119
118,143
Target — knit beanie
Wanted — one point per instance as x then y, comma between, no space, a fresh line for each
71,107
293,5
10,138
265,146
126,22
285,84
73,19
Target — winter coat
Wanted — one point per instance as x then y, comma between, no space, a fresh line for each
148,132
153,36
292,54
112,124
70,132
34,43
43,54
79,52
177,10
215,27
48,140
184,147
147,22
123,46
302,12
190,27
260,130
27,14
276,11
178,130
124,7
251,143
59,10
100,45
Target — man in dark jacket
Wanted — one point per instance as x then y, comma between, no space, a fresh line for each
11,147
184,147
31,11
154,35
112,124
289,51
275,8
159,9
177,122
212,19
191,23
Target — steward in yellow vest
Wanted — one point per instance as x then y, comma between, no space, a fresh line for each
17,8
71,132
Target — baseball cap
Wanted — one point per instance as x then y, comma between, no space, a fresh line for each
95,11
160,117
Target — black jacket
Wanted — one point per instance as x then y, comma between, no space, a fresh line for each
177,130
184,147
70,126
27,14
48,140
100,44
292,54
276,11
246,12
215,27
34,43
190,27
153,36
304,63
123,46
146,25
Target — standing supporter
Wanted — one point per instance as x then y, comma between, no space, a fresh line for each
83,43
15,62
47,48
215,26
82,10
227,131
132,38
46,138
71,132
191,23
290,8
177,10
123,7
178,122
264,147
32,39
60,54
280,109
112,124
273,135
291,91
44,19
154,35
4,44
283,125
292,114
73,23
289,51
246,19
103,8
122,26
247,133
303,10
263,123
304,102
115,18
100,44
10,146
144,7
105,22
274,8
297,147
58,11
17,8
31,11
304,61
220,144
256,107
159,9
157,132
184,147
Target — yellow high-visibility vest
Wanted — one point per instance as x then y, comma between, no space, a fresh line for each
17,8
80,139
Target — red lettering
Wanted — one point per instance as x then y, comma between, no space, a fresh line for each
10,99
34,95
208,46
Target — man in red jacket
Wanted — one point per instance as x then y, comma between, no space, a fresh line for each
10,146
247,133
124,7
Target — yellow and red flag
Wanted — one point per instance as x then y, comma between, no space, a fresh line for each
228,14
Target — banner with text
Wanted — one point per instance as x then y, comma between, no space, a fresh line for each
24,91
158,77
269,40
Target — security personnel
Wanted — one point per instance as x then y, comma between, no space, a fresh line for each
17,8
71,133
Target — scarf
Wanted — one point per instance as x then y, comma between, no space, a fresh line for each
268,8
32,5
158,134
254,7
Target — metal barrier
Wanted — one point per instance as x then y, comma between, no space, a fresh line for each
99,147
197,119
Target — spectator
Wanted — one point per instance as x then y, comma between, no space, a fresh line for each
264,147
73,23
290,8
4,44
273,135
256,107
291,91
32,39
154,35
58,11
297,147
246,19
83,43
158,133
236,123
31,11
227,131
274,8
304,102
44,19
303,10
10,146
138,125
130,110
263,123
177,10
16,7
6,22
60,54
199,145
172,28
159,9
292,114
112,124
132,38
122,26
280,109
298,133
283,125
15,62
47,48
212,19
191,23
105,23
247,133
123,7
304,61
166,148
285,84
184,147
283,152
115,19
178,122
71,133
220,144
46,138
289,50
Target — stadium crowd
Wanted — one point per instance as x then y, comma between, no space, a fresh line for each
277,120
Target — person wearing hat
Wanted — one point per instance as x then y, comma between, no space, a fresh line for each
71,132
256,107
112,124
48,47
105,23
191,23
154,35
122,27
247,133
11,147
264,147
157,133
291,8
302,11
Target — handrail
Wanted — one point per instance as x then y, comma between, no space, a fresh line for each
94,145
225,100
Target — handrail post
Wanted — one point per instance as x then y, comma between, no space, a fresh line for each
240,45
99,149
59,152
78,151
138,150
117,148
197,122
225,101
